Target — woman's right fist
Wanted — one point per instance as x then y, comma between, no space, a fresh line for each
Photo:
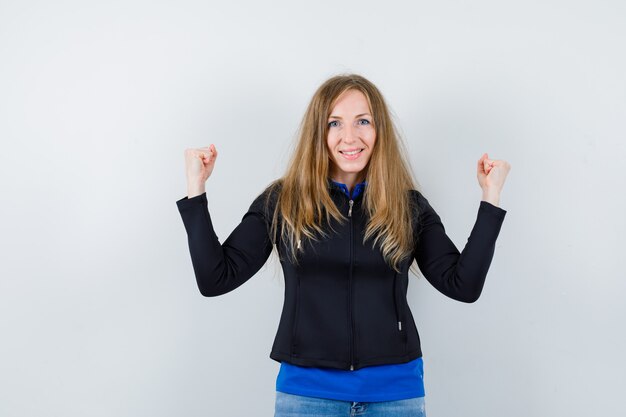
199,164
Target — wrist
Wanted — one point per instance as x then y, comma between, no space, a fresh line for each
491,196
194,190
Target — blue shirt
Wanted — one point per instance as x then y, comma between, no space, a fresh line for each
372,383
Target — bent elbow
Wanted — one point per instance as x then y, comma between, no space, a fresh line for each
207,293
213,287
211,284
210,291
470,298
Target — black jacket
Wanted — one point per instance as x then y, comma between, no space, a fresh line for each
344,307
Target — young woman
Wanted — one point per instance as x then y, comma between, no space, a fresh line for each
347,222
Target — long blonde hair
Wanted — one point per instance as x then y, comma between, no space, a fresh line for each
303,200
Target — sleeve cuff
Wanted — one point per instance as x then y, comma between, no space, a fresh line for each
490,208
187,202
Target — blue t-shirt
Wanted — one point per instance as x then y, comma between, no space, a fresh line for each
372,383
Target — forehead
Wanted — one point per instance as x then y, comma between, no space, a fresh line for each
351,102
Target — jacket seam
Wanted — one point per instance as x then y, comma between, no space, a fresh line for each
391,356
294,335
368,359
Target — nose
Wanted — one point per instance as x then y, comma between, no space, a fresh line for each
350,134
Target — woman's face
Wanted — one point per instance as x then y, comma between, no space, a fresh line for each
350,128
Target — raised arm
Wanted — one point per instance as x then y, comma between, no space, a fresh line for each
220,268
460,276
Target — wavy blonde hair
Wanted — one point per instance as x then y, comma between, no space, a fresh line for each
303,199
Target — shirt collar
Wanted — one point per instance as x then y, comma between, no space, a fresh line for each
358,188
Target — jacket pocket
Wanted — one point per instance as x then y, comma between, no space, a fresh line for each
396,301
399,305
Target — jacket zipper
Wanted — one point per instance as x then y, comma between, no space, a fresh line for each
351,202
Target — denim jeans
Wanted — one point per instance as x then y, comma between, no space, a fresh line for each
292,405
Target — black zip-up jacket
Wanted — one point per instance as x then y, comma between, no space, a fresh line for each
344,307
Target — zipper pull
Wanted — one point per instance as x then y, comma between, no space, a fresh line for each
352,367
351,202
400,325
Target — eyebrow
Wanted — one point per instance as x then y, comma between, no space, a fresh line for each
358,115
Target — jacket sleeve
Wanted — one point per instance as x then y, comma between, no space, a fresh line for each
460,276
220,268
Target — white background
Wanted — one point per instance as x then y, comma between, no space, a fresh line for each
99,310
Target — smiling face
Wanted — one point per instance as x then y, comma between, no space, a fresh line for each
351,137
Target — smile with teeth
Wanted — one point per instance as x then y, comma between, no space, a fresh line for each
354,152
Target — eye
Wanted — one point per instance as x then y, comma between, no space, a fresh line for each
365,120
330,123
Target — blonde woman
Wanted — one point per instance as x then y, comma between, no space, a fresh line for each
347,222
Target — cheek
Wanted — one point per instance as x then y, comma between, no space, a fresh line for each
329,148
371,139
368,133
331,141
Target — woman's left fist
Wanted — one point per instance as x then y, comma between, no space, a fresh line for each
492,173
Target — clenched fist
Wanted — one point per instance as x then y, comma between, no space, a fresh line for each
199,165
492,173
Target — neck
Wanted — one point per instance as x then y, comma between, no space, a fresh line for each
350,181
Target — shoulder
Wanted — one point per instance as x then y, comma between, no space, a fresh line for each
417,198
265,202
421,208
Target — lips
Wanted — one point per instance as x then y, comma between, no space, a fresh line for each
351,151
357,153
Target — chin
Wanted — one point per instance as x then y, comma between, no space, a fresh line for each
352,170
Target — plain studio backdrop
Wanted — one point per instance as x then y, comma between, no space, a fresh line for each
100,314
